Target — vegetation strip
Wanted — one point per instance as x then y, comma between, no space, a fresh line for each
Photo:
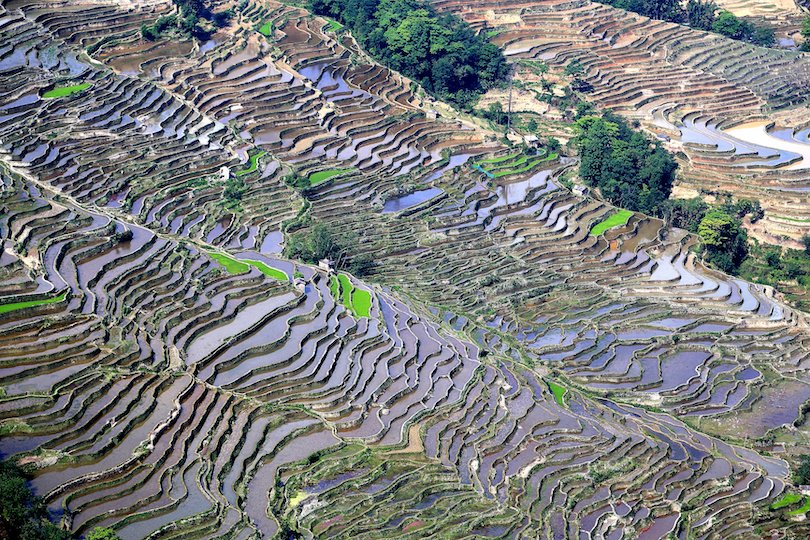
322,176
356,300
62,91
5,308
253,164
236,266
558,391
619,218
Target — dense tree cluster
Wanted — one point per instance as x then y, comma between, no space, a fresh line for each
775,266
700,14
187,22
629,169
319,242
724,240
730,25
439,51
24,516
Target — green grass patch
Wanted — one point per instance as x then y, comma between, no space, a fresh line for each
322,176
619,218
334,26
253,164
795,220
558,391
268,271
232,266
361,301
511,164
297,498
529,166
62,91
803,509
5,308
266,29
358,301
498,159
788,499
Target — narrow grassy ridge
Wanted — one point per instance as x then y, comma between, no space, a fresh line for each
62,91
322,176
5,308
358,301
619,218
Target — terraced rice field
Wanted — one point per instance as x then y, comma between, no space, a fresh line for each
501,373
692,87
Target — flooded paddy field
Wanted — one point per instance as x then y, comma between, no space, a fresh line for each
501,373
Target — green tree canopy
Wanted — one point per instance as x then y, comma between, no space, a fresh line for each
629,169
22,514
724,239
439,51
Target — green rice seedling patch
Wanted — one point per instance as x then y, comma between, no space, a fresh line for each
334,287
361,301
803,509
253,164
266,29
500,159
346,288
358,301
619,218
333,26
268,271
322,176
558,391
5,308
788,499
62,91
232,266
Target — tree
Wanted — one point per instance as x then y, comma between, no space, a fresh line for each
628,168
700,14
531,125
805,32
729,25
806,243
439,51
802,474
763,36
148,32
685,213
102,533
22,514
724,239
